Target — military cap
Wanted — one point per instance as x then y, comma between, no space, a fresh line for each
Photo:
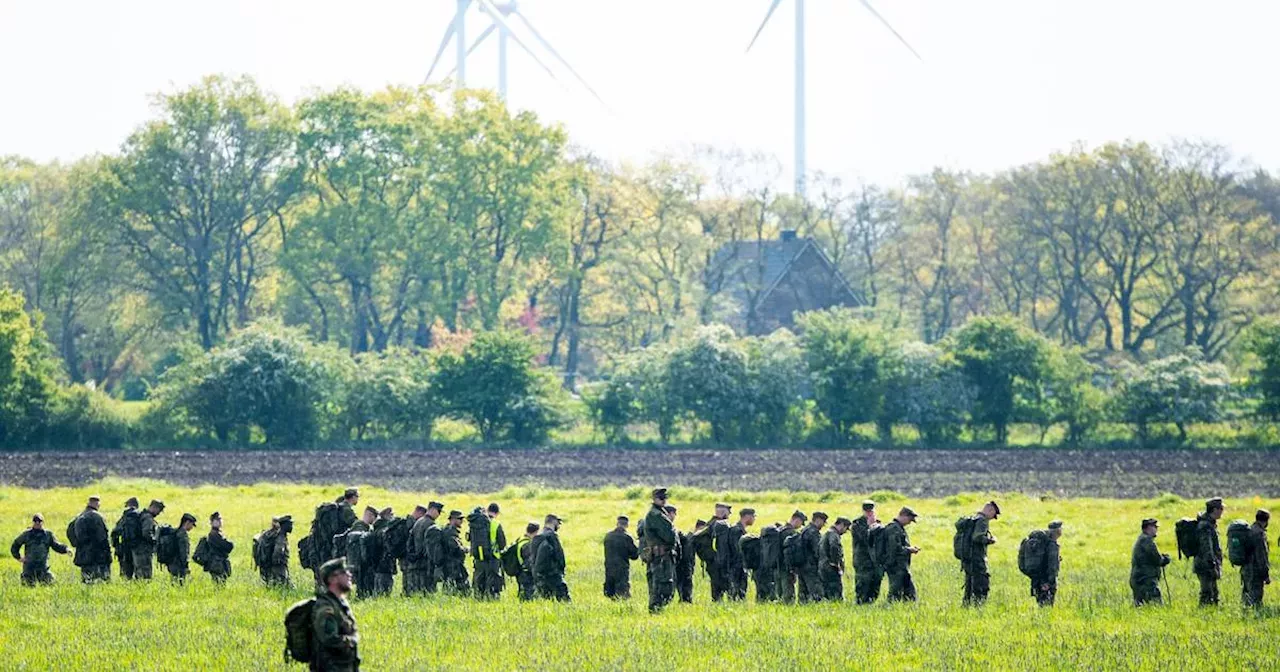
37,518
419,508
1213,503
1055,525
908,511
94,498
493,508
435,505
286,518
187,517
659,493
215,516
556,516
670,509
843,521
370,509
455,514
700,523
868,505
132,502
1150,521
820,514
800,514
350,492
1262,515
332,567
996,507
386,513
623,519
156,503
747,512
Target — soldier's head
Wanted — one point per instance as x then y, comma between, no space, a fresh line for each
747,517
906,516
155,507
188,522
841,525
434,509
623,523
1055,529
723,510
37,522
699,524
286,523
369,515
532,528
387,513
94,502
1150,526
1262,517
215,520
1214,507
869,510
798,519
492,511
991,510
659,496
819,519
552,522
336,577
671,512
418,512
455,518
131,503
351,496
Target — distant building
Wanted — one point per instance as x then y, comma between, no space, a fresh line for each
767,282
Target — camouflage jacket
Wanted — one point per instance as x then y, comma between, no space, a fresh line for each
279,544
1052,558
92,545
219,553
785,532
452,550
148,541
898,543
335,642
37,543
1259,559
619,550
980,539
1146,561
861,534
1208,561
658,529
548,559
119,533
734,539
418,555
811,542
831,553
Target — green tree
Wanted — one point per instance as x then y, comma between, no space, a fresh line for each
1004,363
389,395
847,356
707,375
636,391
1264,344
1180,389
924,387
494,384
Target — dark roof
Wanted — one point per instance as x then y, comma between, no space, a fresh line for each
760,265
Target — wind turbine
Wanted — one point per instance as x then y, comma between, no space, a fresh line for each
499,14
800,165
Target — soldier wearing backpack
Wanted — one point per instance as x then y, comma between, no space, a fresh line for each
766,575
524,548
1146,565
335,641
721,552
661,547
271,552
788,564
1039,557
353,548
735,570
177,561
487,541
1207,564
867,575
126,533
383,556
807,579
419,567
973,536
619,550
145,549
31,548
548,562
453,555
831,561
213,552
892,553
686,561
1255,568
88,534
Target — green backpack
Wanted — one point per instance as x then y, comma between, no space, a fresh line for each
262,551
1032,553
1238,546
792,551
1188,541
356,548
749,545
201,554
703,544
166,545
962,542
878,542
307,552
512,563
297,631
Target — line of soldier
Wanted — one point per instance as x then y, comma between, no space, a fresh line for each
788,562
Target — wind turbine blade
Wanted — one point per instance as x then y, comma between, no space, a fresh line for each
475,45
759,30
903,40
494,14
547,45
444,44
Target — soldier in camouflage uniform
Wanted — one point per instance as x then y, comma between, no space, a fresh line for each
276,541
218,549
807,580
93,548
548,561
362,579
419,568
180,567
1255,574
737,568
525,547
619,550
31,548
486,558
1208,561
898,563
384,568
335,642
1146,565
453,554
786,574
977,576
122,537
766,575
661,546
145,550
1044,587
831,561
867,577
719,569
686,561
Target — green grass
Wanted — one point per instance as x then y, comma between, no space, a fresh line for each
197,626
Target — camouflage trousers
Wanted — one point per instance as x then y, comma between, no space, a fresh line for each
419,579
977,583
684,584
1251,587
178,571
92,573
832,584
142,564
662,581
721,585
1145,591
617,584
1045,591
275,576
455,580
36,572
866,584
1208,590
737,583
766,583
488,581
786,587
383,583
126,564
809,584
528,587
552,587
901,586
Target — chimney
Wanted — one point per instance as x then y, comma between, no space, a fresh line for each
788,235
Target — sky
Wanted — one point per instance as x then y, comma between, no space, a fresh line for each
1002,82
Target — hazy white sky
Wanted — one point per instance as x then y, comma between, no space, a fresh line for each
1003,81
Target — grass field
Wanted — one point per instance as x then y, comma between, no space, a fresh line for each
197,626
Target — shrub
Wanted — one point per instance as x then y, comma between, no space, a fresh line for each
707,376
1005,362
87,419
493,383
847,357
1263,342
388,395
1180,389
775,383
27,374
635,392
924,387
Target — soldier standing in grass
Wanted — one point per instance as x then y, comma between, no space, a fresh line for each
125,534
453,555
810,586
1255,574
1208,562
362,578
384,568
831,561
525,547
1044,585
218,551
737,571
867,576
718,572
661,547
619,550
686,561
31,548
88,533
977,576
897,557
419,568
272,548
335,642
1146,565
181,567
548,562
766,575
486,555
786,572
145,549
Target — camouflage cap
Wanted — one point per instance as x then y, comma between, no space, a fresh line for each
332,567
820,514
1262,515
556,516
187,518
996,507
670,509
1213,503
435,505
37,518
747,512
908,511
131,503
386,513
726,507
1150,522
156,503
370,509
215,516
843,521
1055,525
455,514
350,492
800,514
868,505
658,493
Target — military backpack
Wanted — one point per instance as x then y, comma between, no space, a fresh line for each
704,544
201,554
307,552
1033,553
1188,541
326,523
962,542
298,631
749,546
512,563
792,551
1238,543
166,544
878,541
71,532
395,538
131,529
262,550
356,553
770,547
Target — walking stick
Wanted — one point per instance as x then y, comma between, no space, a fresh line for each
1168,592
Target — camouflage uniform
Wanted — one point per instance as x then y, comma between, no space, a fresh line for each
145,549
37,543
718,572
619,550
121,540
548,567
1045,586
1208,562
867,577
276,573
735,571
786,584
528,587
93,548
831,566
219,548
453,555
1144,570
486,557
181,566
977,577
1256,570
809,583
419,570
384,566
686,562
335,643
363,581
898,564
766,576
660,536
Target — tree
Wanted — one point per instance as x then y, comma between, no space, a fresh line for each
636,391
389,395
707,376
1004,363
1264,344
924,387
1180,389
846,357
493,384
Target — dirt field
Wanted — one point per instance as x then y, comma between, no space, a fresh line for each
912,472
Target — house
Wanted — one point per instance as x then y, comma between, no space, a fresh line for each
763,284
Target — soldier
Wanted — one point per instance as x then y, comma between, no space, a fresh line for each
737,571
180,567
1146,565
686,561
384,567
88,533
362,579
866,575
145,549
718,572
335,644
977,577
419,569
810,586
1208,561
31,548
124,535
486,554
619,550
786,572
217,560
831,561
453,555
766,575
548,562
898,561
1255,573
346,511
661,547
1044,585
524,546
272,548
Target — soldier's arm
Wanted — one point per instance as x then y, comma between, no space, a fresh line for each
149,528
982,530
501,538
327,628
17,545
56,545
221,544
633,551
